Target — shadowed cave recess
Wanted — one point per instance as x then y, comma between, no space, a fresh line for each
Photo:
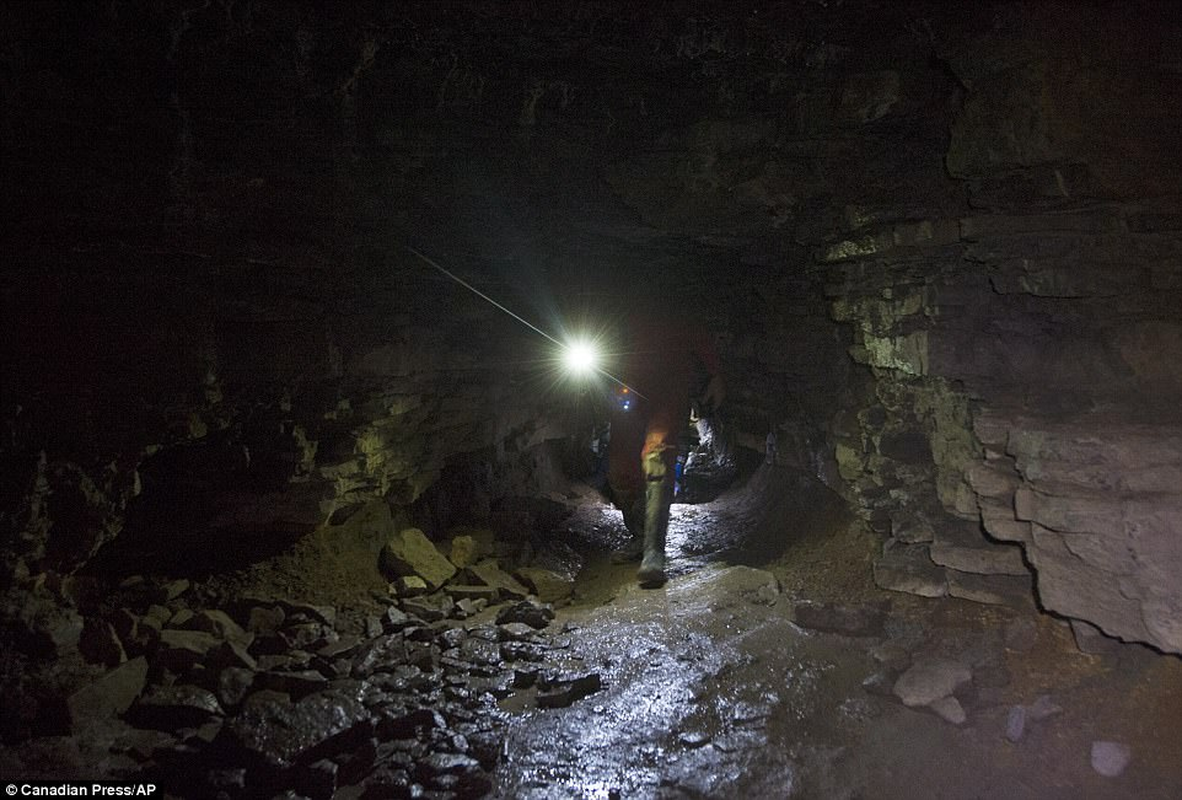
296,502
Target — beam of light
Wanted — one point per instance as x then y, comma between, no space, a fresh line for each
581,356
484,296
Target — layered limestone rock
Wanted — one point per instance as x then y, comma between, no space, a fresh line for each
1094,503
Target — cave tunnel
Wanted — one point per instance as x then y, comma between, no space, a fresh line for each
298,499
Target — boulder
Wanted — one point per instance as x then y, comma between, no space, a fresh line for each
549,586
170,708
100,643
111,694
180,650
264,620
410,552
219,624
277,732
490,573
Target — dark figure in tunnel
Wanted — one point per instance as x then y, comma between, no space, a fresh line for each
668,362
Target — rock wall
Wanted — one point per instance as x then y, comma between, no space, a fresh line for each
1036,338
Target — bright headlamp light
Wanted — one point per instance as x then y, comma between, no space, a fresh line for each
581,358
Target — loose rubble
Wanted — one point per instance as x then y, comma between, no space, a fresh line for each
269,696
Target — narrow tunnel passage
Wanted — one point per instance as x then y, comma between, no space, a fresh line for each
297,498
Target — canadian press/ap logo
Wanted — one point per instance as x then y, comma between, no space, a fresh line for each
81,789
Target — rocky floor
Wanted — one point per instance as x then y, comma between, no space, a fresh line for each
779,670
769,666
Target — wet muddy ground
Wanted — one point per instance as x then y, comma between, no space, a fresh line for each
711,688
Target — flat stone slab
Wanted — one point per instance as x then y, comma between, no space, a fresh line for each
1000,590
911,570
928,681
845,620
966,549
111,694
490,573
181,649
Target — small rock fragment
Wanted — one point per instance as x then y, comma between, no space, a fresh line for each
175,589
233,685
560,691
410,586
1044,707
1091,640
425,608
1016,723
395,619
892,655
928,681
950,709
1110,758
464,551
880,683
219,624
536,615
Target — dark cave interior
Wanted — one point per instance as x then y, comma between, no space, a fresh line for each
288,511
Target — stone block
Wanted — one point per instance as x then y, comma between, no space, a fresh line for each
963,547
280,733
910,569
410,552
180,650
1015,591
928,681
549,586
463,552
490,573
111,694
170,708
